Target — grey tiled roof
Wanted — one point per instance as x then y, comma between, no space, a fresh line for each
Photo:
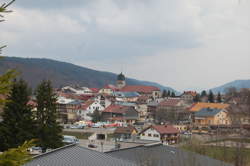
207,112
77,156
160,155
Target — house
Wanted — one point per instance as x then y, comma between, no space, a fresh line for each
108,89
126,96
75,155
164,133
211,116
188,96
150,91
198,106
160,155
88,108
120,113
128,132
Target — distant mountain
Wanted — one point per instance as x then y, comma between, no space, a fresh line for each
33,70
238,84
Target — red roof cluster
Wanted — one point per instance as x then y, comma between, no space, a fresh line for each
86,104
193,93
115,108
94,90
165,129
170,102
139,89
110,86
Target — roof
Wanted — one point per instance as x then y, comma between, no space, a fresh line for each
160,155
162,129
193,93
87,104
207,112
126,94
198,106
170,102
124,130
74,155
139,88
110,86
121,77
115,109
94,90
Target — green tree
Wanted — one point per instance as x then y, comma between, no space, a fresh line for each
49,130
197,98
219,100
18,123
5,79
164,93
211,97
169,93
16,156
172,94
203,93
96,116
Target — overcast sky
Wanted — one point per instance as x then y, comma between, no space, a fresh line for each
185,44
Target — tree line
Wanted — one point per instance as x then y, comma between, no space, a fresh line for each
21,122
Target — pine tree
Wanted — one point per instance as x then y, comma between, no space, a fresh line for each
219,98
18,123
211,97
49,130
172,94
203,93
197,98
169,93
164,94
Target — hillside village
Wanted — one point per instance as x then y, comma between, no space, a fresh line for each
121,117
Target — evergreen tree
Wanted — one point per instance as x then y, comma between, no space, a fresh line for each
211,97
164,94
169,93
203,93
219,98
197,98
96,116
172,94
18,123
49,130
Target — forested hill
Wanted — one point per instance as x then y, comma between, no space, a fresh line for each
33,70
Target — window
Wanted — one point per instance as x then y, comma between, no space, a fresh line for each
156,135
143,134
149,135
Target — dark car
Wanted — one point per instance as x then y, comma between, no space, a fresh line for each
92,146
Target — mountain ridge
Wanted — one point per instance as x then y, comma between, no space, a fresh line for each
238,84
34,70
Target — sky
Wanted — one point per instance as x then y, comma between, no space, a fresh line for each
184,44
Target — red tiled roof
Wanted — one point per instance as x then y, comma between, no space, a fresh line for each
109,86
139,88
126,130
165,129
193,93
95,90
170,102
86,104
115,109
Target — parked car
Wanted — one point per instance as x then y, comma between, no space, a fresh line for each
92,146
68,139
35,150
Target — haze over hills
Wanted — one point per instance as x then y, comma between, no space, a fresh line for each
33,70
238,84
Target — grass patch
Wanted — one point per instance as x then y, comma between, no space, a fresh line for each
243,140
79,135
226,154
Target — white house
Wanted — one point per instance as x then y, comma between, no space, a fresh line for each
164,133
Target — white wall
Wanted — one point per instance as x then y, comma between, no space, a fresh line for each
152,132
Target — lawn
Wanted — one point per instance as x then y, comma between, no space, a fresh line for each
221,153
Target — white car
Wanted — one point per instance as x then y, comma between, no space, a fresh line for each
68,139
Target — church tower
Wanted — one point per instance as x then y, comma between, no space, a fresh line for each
121,81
